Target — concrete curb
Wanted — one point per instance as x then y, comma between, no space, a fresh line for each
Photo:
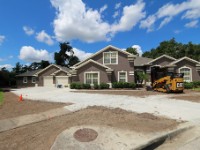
8,124
169,134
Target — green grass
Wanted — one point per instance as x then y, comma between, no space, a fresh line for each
197,89
1,97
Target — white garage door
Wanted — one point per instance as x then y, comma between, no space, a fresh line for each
48,81
62,80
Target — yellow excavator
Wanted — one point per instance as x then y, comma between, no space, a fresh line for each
167,82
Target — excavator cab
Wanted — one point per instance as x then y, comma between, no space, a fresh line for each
164,81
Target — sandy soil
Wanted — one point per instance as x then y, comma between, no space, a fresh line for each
42,135
12,108
136,93
188,95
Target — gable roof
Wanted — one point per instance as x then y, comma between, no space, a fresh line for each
29,73
60,71
172,58
187,58
89,61
47,68
140,61
57,66
102,50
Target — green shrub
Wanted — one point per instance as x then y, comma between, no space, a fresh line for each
188,85
104,86
196,84
73,85
123,85
126,85
78,86
114,85
96,86
120,85
86,86
132,85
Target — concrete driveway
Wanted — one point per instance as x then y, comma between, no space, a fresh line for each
160,105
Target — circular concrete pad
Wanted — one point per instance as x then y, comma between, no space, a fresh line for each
106,138
85,135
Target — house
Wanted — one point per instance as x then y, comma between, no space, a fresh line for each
186,65
108,65
50,76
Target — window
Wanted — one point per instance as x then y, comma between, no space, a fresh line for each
92,78
33,79
122,76
25,80
187,74
110,58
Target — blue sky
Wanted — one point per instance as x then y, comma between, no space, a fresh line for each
30,30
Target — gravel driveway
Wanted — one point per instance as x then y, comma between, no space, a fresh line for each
156,104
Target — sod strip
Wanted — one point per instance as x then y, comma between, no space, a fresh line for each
1,96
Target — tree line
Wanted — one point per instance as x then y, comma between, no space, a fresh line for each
175,49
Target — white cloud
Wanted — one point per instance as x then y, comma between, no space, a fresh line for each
192,24
131,16
177,31
30,54
115,14
148,23
189,8
139,49
164,22
1,59
76,21
10,57
2,38
42,36
28,30
7,66
82,55
192,14
117,6
102,9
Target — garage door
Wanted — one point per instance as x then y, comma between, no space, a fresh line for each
62,80
48,81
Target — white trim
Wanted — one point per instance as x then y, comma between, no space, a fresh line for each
33,80
93,62
62,76
102,50
179,70
126,80
24,79
47,68
91,73
162,57
110,52
187,58
60,71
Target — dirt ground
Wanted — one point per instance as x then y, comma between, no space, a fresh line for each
136,93
188,95
41,135
12,108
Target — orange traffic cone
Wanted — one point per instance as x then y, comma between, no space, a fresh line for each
20,98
